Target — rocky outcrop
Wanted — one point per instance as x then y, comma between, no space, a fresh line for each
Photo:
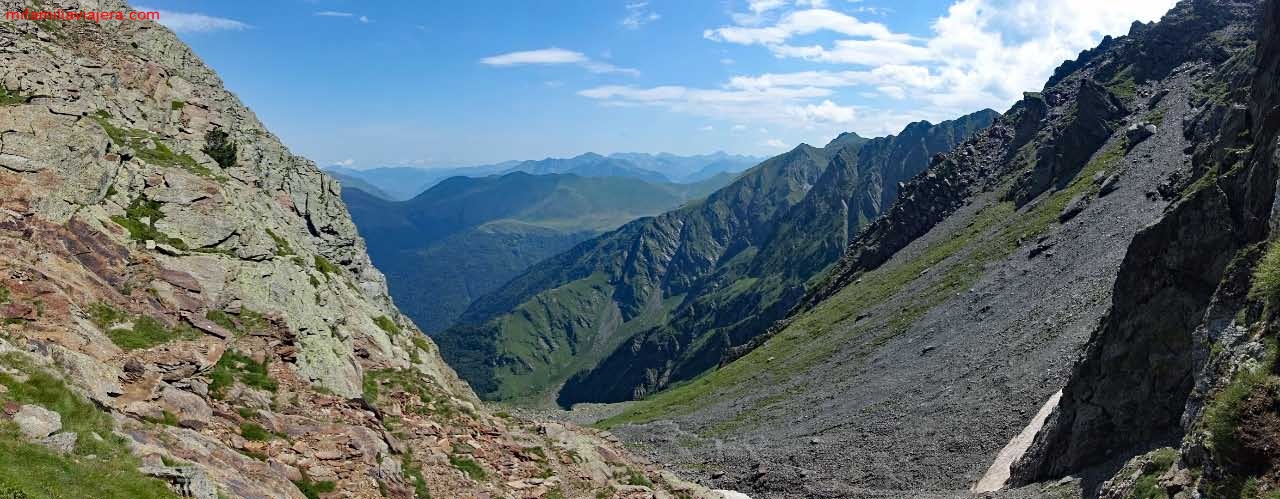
194,304
1184,280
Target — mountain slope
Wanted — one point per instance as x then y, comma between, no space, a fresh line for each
952,319
742,297
403,183
186,309
659,284
466,236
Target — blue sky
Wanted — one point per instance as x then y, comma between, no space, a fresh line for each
435,83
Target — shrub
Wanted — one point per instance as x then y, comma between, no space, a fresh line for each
218,145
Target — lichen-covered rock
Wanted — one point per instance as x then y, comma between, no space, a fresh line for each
220,305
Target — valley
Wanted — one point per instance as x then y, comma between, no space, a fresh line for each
1077,297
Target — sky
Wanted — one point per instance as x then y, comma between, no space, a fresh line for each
434,83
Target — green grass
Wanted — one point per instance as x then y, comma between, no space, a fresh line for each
325,266
1147,485
1222,413
312,489
148,332
12,97
1266,277
637,478
386,324
38,472
1123,85
413,471
255,432
282,245
177,105
150,147
246,322
468,466
817,334
235,366
140,219
4,295
409,381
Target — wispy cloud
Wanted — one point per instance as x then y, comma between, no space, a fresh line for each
193,22
638,14
335,13
554,56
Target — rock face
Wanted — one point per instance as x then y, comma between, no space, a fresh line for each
662,299
951,319
205,296
1190,310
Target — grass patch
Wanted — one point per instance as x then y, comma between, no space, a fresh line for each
246,322
235,366
413,471
12,97
408,381
177,105
386,324
325,266
1123,85
1147,485
637,478
140,219
1266,276
282,245
148,332
468,466
39,472
150,147
4,295
255,432
312,489
1222,415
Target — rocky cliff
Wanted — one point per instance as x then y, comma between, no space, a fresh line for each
186,308
1182,371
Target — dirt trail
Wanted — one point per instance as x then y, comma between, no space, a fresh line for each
996,476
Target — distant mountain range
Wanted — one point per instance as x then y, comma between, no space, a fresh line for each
464,237
662,299
402,183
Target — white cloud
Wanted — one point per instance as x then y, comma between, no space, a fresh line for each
638,14
978,54
707,128
826,112
332,13
365,20
553,56
775,143
345,162
192,22
727,61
